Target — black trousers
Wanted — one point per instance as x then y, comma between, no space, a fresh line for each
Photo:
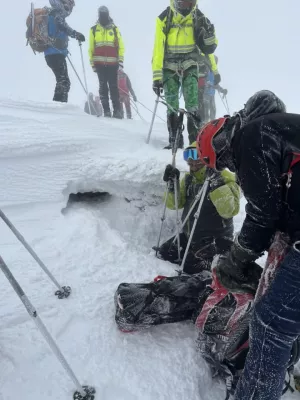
201,253
58,64
108,83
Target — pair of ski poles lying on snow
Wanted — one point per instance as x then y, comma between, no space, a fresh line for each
63,292
198,199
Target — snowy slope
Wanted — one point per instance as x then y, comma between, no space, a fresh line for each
48,151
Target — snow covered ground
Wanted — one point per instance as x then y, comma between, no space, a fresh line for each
48,151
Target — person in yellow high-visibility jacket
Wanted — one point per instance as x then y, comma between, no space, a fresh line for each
182,34
106,51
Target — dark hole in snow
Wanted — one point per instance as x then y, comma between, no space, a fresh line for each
86,198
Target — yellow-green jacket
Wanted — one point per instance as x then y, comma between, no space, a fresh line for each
213,64
106,45
221,203
186,35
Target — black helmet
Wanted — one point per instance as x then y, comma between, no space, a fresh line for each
184,7
103,14
103,10
262,103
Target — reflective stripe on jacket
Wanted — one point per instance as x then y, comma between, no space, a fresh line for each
213,63
181,37
106,45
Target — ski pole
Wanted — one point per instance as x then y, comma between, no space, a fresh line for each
143,105
32,18
133,103
84,392
63,291
175,147
225,102
84,76
153,118
76,73
137,110
177,219
162,220
174,151
196,216
196,199
80,81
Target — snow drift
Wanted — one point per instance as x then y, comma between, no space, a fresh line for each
49,152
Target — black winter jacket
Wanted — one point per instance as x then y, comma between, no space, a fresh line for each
263,152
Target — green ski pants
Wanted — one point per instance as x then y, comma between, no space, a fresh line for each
189,82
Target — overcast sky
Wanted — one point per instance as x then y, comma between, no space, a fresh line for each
258,48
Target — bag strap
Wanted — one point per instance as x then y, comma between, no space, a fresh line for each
116,37
289,163
167,27
196,14
288,386
94,28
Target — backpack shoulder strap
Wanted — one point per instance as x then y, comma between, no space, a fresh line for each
94,28
168,20
197,17
198,13
116,36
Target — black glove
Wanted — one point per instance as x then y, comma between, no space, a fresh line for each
134,97
157,87
216,181
217,79
237,271
223,91
171,173
79,36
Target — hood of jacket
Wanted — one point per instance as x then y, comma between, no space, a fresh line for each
178,14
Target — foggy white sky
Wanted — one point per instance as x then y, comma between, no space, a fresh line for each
258,48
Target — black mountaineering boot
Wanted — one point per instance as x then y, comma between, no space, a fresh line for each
172,123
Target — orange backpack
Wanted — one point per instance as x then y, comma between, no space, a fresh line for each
37,29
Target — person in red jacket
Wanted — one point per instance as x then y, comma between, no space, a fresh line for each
125,90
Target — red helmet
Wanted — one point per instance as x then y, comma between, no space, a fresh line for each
206,151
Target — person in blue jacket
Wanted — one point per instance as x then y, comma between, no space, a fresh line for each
209,102
55,55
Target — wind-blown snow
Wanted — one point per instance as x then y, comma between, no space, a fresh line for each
48,151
